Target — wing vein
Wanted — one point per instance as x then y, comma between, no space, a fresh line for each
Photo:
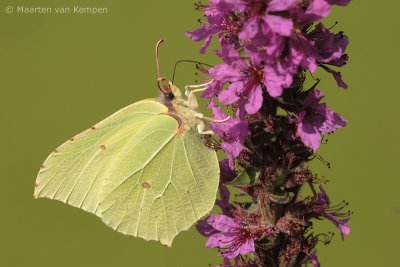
194,178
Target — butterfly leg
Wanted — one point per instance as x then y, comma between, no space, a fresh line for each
201,125
201,116
198,88
201,128
191,98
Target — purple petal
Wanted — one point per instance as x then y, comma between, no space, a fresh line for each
223,202
332,122
212,90
229,54
314,260
227,263
308,134
227,174
223,223
231,252
218,114
255,100
225,73
340,224
256,57
303,53
280,25
219,240
337,76
250,28
206,44
231,94
247,247
318,9
338,2
228,6
345,229
276,78
281,5
313,98
323,196
205,229
200,33
232,148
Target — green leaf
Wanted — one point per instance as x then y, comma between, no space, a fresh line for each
248,177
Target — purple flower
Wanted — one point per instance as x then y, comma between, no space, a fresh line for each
340,224
316,119
333,215
246,79
233,133
213,26
330,50
220,20
329,46
232,237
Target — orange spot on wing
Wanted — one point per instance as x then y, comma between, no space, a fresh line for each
146,185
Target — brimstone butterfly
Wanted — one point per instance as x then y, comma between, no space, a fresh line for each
144,170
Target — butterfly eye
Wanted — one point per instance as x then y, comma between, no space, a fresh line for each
169,96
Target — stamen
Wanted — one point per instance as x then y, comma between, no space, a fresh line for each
321,159
333,26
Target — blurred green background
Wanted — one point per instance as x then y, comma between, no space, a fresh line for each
60,74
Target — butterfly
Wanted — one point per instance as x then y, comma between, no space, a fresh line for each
144,170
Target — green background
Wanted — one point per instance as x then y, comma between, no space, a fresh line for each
60,74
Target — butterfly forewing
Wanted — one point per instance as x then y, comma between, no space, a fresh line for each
135,172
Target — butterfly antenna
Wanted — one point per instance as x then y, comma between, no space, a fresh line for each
164,88
198,63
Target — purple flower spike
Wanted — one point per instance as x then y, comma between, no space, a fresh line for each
267,48
316,119
233,238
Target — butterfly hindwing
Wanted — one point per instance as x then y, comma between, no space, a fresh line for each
168,195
